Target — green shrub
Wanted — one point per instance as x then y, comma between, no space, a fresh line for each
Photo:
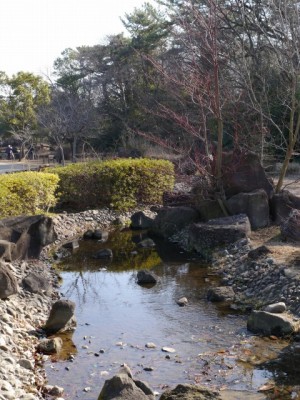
27,193
120,184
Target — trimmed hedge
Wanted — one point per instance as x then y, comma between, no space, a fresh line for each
27,193
119,184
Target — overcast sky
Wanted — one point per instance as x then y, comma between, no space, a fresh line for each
33,33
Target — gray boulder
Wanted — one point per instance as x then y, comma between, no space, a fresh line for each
99,234
190,392
8,282
50,346
103,254
205,237
140,221
123,387
259,252
29,233
281,205
268,323
276,308
144,277
146,243
36,283
61,317
220,293
254,204
7,250
170,220
290,227
243,172
209,209
72,245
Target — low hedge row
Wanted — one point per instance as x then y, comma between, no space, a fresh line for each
120,184
27,193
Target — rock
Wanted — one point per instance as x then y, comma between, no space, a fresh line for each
145,277
50,346
254,204
259,252
61,317
268,324
103,254
290,227
27,364
146,243
122,387
281,205
7,250
209,209
29,233
36,283
140,221
220,293
8,282
71,245
183,301
243,172
170,220
88,234
205,237
99,234
190,392
276,308
150,345
168,349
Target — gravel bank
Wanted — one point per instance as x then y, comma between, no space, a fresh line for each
22,376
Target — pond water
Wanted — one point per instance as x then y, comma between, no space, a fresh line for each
117,317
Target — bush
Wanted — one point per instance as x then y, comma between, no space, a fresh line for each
27,193
120,184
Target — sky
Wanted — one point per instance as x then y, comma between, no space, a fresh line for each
33,33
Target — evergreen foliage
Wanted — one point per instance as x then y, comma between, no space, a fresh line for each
27,193
120,184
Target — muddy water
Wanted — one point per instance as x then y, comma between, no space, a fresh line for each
116,318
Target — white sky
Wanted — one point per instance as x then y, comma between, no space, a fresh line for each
33,33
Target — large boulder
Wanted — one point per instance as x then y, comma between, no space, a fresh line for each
36,283
61,317
205,237
268,323
254,204
123,387
141,221
190,392
290,227
7,250
281,205
220,294
209,209
145,277
170,220
29,233
243,172
8,282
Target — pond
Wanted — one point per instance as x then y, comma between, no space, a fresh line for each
117,317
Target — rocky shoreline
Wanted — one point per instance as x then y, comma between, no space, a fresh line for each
22,375
255,278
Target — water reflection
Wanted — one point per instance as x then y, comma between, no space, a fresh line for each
118,317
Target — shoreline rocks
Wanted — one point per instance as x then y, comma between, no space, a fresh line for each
255,278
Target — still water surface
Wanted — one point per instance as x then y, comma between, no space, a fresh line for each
117,317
